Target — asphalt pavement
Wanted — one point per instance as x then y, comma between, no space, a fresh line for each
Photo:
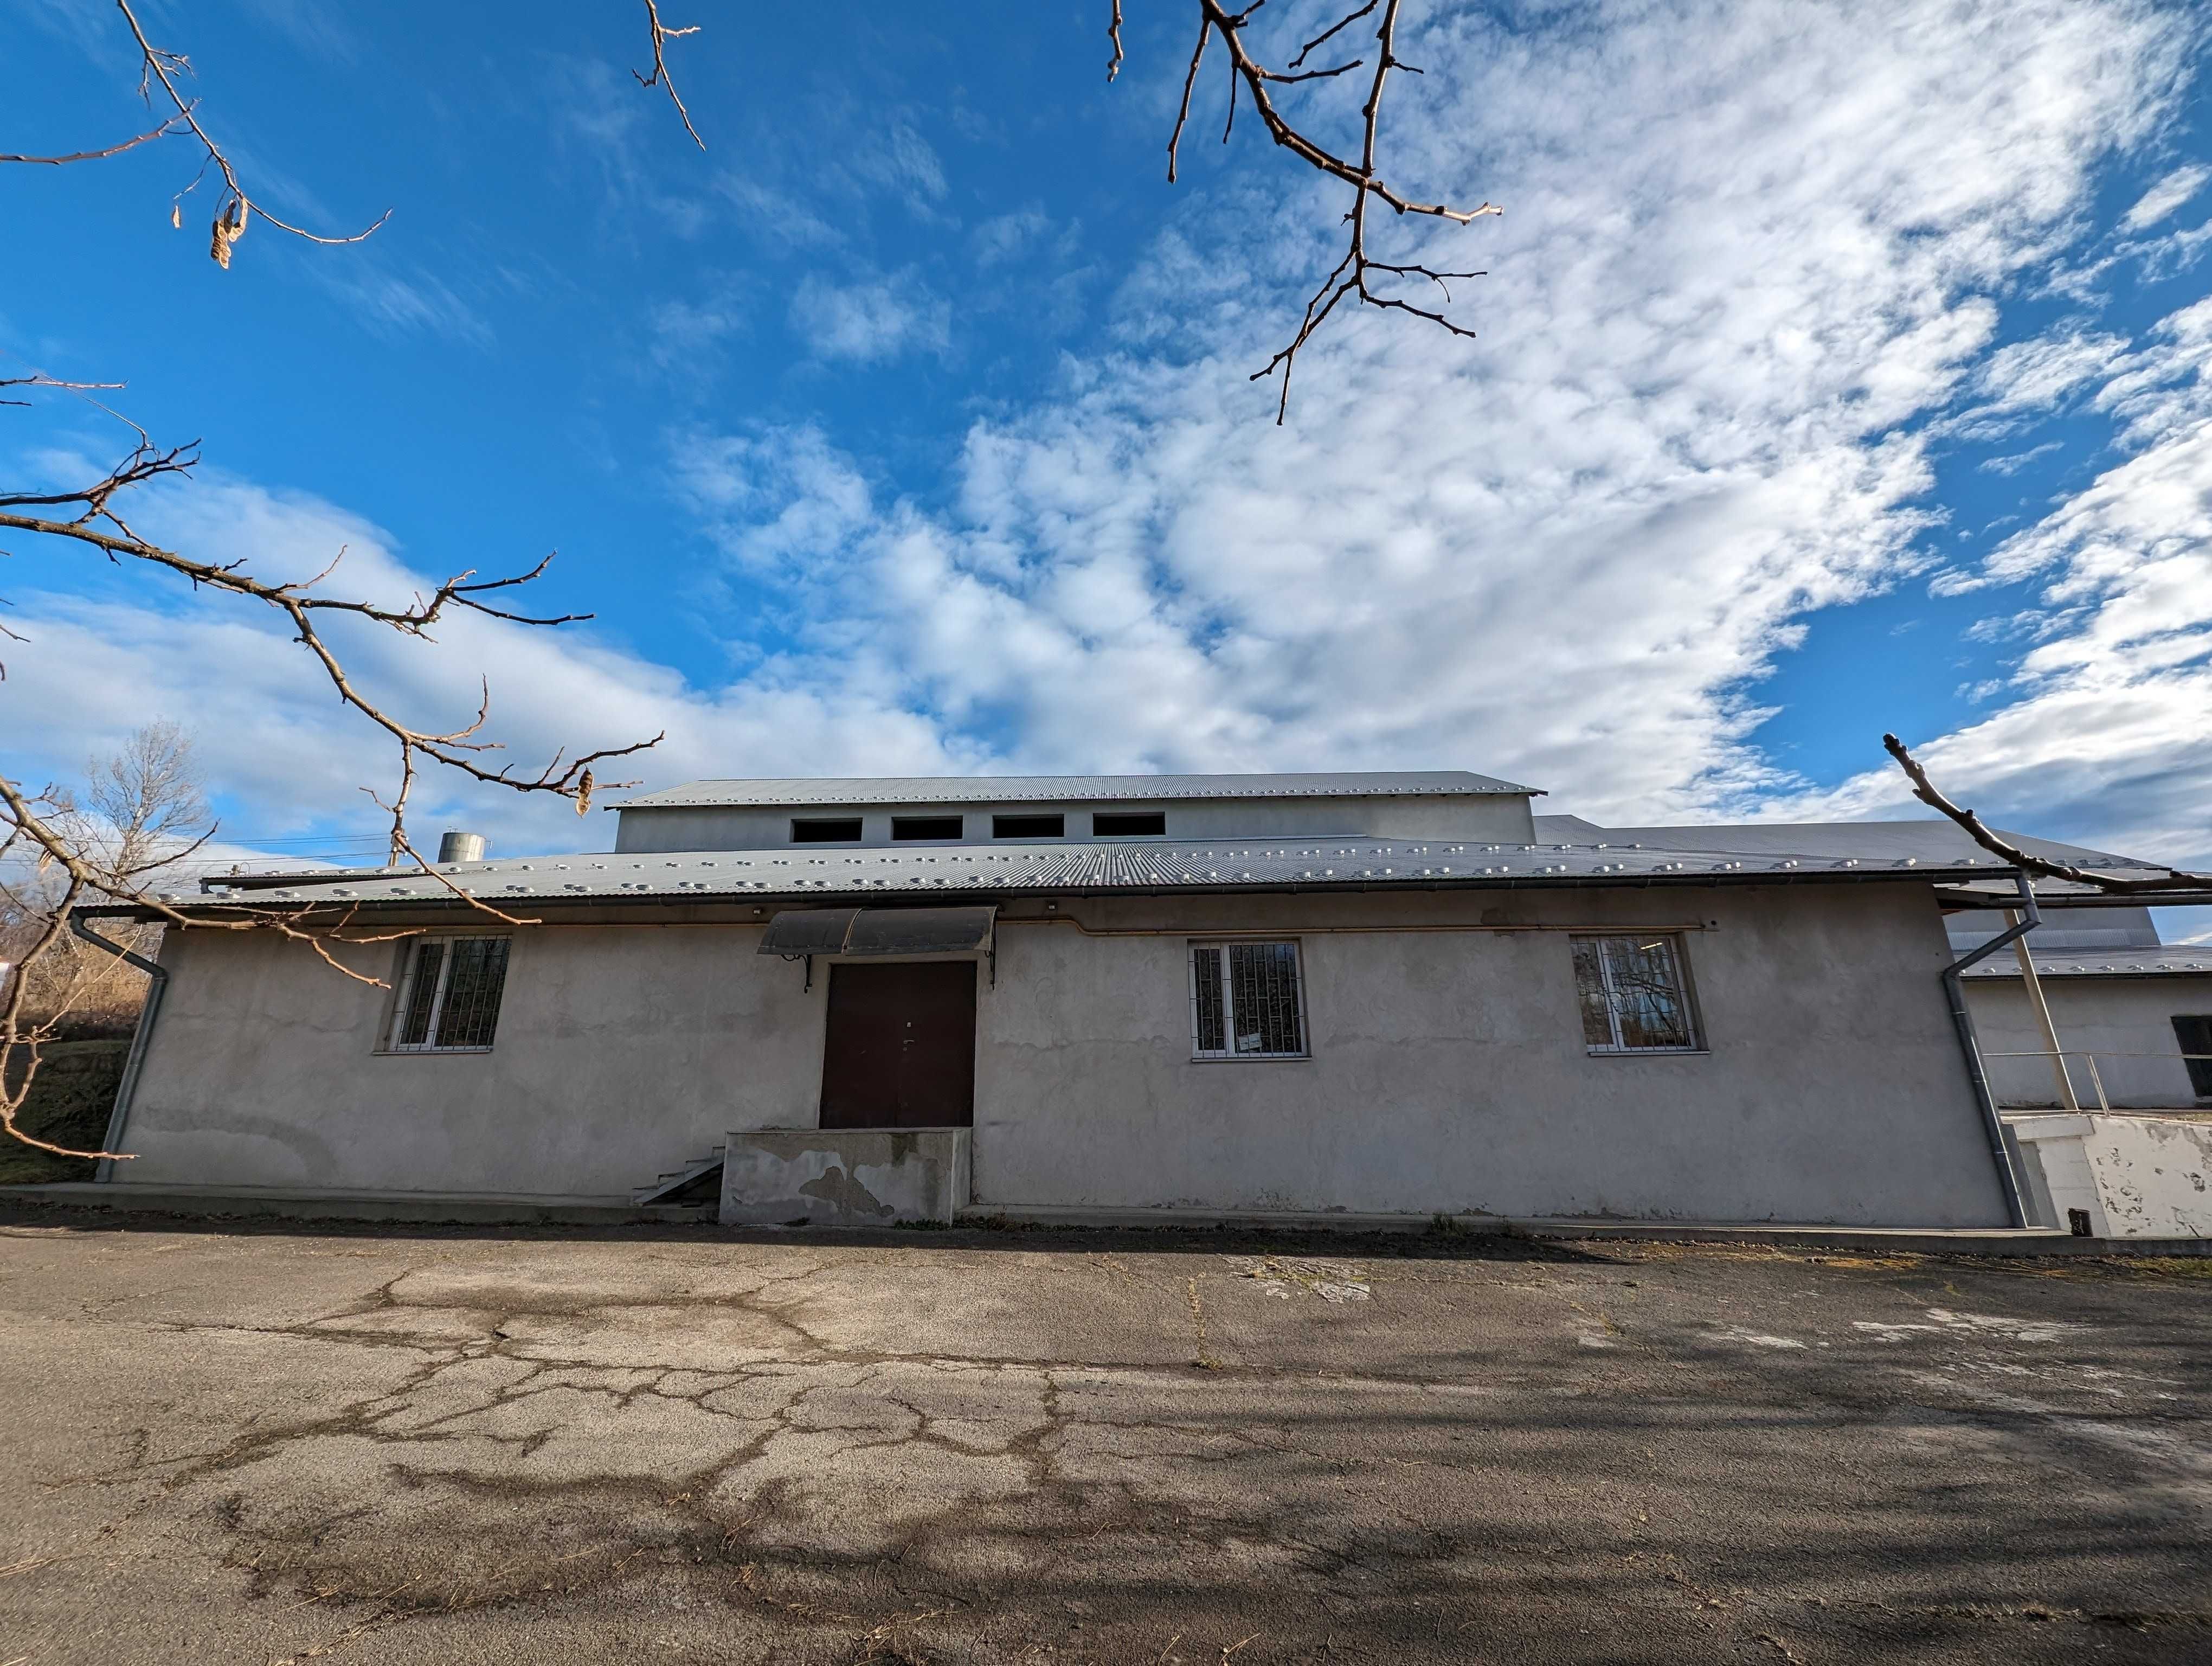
255,1442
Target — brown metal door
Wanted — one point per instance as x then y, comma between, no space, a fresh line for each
901,1051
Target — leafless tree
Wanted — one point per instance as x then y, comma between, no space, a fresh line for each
58,852
149,799
144,810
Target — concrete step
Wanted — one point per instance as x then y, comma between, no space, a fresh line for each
675,1179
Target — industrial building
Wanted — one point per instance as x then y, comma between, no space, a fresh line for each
1350,996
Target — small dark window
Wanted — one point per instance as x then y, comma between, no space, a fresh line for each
825,829
1128,824
2195,1035
1028,827
926,827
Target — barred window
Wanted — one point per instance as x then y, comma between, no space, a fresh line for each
1633,996
449,995
1244,1001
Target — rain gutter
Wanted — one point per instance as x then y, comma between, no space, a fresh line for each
157,986
1955,991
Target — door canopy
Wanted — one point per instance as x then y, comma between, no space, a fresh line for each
864,932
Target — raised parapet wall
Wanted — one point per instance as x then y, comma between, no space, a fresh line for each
1498,818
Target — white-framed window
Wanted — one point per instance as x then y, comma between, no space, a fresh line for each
448,998
1246,1001
1633,993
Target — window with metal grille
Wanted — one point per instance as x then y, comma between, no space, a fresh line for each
2195,1035
1634,995
449,995
1244,1001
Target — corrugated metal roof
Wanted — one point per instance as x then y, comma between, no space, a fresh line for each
1194,866
2134,961
1932,840
780,793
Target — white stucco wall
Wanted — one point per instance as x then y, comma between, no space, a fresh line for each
620,1052
2133,1176
1448,1071
2129,1021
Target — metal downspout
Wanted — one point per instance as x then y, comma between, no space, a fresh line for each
1992,1124
157,985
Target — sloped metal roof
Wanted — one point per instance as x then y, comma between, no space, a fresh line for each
1932,840
1345,864
781,793
2137,960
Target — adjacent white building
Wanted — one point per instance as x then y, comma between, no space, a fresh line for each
2131,1016
1341,995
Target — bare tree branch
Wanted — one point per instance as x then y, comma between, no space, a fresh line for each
1341,23
661,36
162,131
160,67
1350,277
40,379
2174,879
115,857
88,517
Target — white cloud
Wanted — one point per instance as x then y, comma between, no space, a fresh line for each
1564,552
272,735
1004,236
2016,462
872,321
2035,375
2108,737
779,218
388,305
1747,247
902,161
685,334
2167,195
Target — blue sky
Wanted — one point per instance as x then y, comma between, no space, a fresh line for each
1836,373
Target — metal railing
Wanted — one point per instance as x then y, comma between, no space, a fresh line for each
2096,1080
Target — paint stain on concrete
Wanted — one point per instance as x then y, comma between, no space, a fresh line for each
1755,1339
1335,1282
840,1190
1943,1320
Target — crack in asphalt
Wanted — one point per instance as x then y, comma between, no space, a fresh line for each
482,1375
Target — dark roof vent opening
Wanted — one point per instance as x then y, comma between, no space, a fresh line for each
927,827
1028,827
1128,824
825,829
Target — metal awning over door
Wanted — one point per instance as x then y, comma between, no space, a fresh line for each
871,931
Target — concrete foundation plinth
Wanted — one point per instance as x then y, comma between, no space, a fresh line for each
843,1176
